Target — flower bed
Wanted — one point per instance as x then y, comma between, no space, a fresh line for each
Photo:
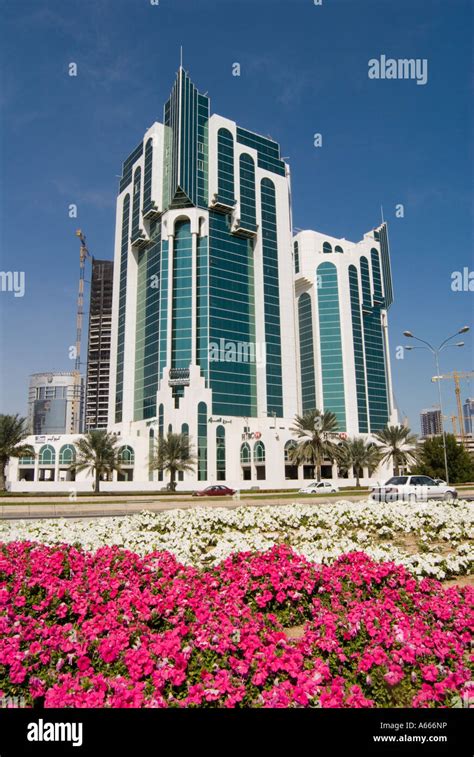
113,628
430,539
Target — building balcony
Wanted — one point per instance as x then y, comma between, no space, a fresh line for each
244,230
222,205
138,239
150,212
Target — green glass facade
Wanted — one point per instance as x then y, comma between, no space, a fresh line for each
181,339
225,167
268,151
381,235
147,326
186,116
121,309
248,212
331,343
305,325
358,350
271,297
202,306
231,317
374,354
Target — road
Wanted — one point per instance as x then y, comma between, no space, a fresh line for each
88,507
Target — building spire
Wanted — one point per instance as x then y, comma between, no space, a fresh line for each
181,56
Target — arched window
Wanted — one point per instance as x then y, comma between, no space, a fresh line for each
291,444
126,455
161,419
225,167
259,453
248,213
47,455
28,459
202,441
245,456
327,247
220,453
338,248
185,429
67,454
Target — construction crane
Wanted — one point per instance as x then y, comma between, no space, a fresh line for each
456,376
83,255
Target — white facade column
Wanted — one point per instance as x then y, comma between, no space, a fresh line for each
169,325
194,238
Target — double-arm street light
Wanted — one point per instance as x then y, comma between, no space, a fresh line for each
435,351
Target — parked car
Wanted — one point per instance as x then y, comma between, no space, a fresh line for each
319,487
412,489
214,491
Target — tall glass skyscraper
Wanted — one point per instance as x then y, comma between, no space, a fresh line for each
203,304
224,325
343,292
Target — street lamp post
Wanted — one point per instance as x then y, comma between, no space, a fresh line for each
436,351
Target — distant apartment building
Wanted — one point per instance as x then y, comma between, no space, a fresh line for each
430,422
98,347
468,415
55,403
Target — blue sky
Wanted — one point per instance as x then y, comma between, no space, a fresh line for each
303,70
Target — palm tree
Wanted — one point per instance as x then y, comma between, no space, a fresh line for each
356,454
98,454
13,431
315,431
398,444
173,453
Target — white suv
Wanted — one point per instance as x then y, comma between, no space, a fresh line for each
412,489
319,487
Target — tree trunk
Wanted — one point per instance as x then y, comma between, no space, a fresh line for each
97,482
172,479
2,477
318,472
357,479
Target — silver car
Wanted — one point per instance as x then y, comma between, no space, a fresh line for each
413,489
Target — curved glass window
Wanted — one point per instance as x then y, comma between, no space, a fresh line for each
47,455
376,275
327,247
225,167
305,324
291,444
331,343
245,455
359,359
271,299
185,429
67,455
259,452
338,248
181,333
248,213
126,455
121,309
28,459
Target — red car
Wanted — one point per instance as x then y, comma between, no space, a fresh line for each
214,491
